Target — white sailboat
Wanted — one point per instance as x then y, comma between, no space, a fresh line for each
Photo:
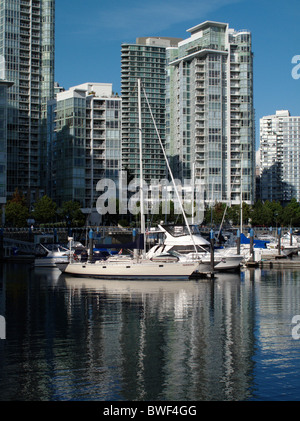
133,268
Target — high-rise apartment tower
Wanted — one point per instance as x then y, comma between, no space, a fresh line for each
280,157
27,59
4,86
209,112
84,143
145,60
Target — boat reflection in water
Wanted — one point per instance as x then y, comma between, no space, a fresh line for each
227,338
167,340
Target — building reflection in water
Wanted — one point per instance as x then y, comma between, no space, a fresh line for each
74,338
168,341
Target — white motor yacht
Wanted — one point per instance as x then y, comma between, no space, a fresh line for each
289,244
53,253
177,242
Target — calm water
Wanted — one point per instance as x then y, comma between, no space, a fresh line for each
78,339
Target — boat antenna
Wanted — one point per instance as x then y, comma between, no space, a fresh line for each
170,172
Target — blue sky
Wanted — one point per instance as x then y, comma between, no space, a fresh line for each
89,34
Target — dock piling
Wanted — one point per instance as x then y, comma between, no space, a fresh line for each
1,244
251,245
212,255
238,242
279,240
91,245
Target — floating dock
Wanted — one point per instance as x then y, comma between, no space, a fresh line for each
281,263
276,261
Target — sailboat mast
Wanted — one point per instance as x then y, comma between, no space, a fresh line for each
141,166
170,172
241,194
193,191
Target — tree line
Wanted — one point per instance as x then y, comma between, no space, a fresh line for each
267,213
45,211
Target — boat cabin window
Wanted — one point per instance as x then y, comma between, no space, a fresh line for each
179,230
187,249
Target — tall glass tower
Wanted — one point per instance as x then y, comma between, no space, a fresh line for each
27,52
145,60
210,115
4,86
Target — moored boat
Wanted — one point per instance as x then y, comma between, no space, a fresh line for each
134,268
52,254
178,242
131,269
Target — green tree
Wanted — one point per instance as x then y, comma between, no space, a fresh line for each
44,210
274,211
214,214
261,214
233,214
291,214
72,214
267,213
247,213
218,212
16,211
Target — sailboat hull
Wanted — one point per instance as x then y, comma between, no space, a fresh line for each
131,270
